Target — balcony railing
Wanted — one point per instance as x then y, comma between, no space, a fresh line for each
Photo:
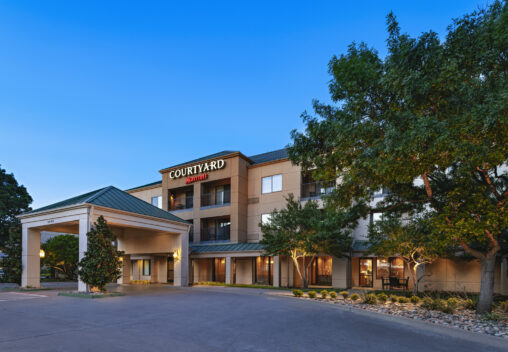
215,198
215,234
317,189
181,202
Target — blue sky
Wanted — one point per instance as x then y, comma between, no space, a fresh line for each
103,93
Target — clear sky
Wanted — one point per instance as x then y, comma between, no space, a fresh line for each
98,93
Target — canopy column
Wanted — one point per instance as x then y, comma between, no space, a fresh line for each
181,261
84,227
30,257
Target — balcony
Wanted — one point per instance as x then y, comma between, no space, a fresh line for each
317,189
215,230
216,198
181,202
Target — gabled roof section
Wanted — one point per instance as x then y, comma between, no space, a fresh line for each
211,156
269,156
156,183
113,198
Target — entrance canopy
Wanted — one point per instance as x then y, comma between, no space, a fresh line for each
139,227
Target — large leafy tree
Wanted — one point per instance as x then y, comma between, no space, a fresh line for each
14,200
61,254
101,263
429,122
302,231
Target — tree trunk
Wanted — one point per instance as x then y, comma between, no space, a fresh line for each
487,285
413,277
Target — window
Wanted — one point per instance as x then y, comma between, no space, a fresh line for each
265,218
146,267
271,184
375,217
390,267
157,201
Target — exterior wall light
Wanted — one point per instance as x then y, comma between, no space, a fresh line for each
176,254
42,254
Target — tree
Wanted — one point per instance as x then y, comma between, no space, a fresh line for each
61,253
101,263
409,240
303,231
14,200
11,264
430,123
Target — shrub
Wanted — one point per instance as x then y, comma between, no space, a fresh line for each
428,303
369,298
403,299
470,303
382,297
439,304
492,316
452,302
333,295
355,296
394,298
344,294
414,299
298,293
447,309
312,294
503,306
324,293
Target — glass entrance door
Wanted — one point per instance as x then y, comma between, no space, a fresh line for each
366,272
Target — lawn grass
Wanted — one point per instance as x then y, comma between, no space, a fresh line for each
90,295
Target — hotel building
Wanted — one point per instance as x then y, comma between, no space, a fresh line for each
200,222
226,195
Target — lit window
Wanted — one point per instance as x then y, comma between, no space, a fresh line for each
157,201
375,217
146,267
271,184
265,218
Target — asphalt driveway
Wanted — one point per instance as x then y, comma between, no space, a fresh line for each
214,319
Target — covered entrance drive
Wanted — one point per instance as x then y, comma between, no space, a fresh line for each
144,232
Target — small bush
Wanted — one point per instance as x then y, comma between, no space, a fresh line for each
333,295
503,306
355,296
415,299
324,293
403,299
492,316
439,304
312,294
428,303
298,293
448,309
369,298
394,298
344,294
382,297
452,302
470,304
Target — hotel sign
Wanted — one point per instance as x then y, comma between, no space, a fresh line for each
203,168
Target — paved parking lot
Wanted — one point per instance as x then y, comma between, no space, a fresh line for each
213,319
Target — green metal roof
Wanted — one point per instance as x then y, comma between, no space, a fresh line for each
147,185
269,156
226,247
113,198
360,245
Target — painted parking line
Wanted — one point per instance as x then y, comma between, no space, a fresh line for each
18,296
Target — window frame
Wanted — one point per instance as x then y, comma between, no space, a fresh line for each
159,201
271,184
